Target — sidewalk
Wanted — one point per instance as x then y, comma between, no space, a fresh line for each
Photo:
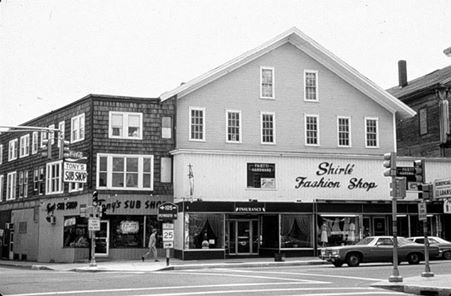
438,285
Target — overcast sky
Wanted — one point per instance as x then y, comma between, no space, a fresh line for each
53,52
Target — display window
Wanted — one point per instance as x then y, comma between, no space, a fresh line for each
75,232
127,231
338,230
204,231
296,231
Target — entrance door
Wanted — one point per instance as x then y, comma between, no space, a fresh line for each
243,237
379,226
11,244
102,239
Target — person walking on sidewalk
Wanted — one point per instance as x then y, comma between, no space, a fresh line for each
152,246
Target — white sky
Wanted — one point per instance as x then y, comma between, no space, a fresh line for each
53,52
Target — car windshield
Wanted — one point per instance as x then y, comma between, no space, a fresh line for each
365,241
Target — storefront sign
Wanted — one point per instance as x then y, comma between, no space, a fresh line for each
327,177
75,172
442,188
447,206
125,205
250,207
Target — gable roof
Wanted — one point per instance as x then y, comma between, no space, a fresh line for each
295,37
437,78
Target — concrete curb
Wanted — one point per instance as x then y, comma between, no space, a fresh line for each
420,286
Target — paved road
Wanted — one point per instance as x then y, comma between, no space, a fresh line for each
288,280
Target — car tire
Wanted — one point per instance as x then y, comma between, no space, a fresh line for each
338,264
414,258
353,260
446,255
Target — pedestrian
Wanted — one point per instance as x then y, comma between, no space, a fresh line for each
152,246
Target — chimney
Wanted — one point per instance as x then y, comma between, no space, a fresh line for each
402,73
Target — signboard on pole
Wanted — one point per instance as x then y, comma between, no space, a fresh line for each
75,172
442,188
167,212
94,224
422,212
447,206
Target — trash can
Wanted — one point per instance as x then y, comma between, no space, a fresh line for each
279,257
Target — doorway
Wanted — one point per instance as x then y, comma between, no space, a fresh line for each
243,237
103,239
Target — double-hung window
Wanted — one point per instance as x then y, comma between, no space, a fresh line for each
127,172
77,128
311,85
197,124
233,126
52,134
125,125
44,136
38,181
371,132
1,154
267,83
54,177
24,146
166,127
11,186
34,142
23,184
268,128
344,131
12,149
1,188
423,121
311,130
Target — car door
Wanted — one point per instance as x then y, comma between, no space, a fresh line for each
383,250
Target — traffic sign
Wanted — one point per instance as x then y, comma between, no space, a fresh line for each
94,224
168,245
422,212
442,188
167,212
447,206
168,235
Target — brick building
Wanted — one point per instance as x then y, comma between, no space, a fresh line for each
123,142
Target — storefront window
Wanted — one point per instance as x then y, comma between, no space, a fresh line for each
75,232
151,223
338,230
296,231
204,231
126,231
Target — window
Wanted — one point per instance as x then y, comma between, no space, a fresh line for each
1,154
166,127
372,134
311,130
204,231
338,230
11,186
75,232
77,128
125,125
267,83
75,186
296,231
38,181
423,118
24,146
344,131
12,151
34,143
1,188
61,127
197,124
52,134
310,85
261,175
23,184
54,180
130,172
233,126
268,128
44,136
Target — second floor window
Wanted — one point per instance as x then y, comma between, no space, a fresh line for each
11,186
23,184
12,149
166,127
311,85
371,133
197,124
311,130
54,180
344,131
1,154
1,188
267,83
423,119
34,143
233,127
77,128
39,181
125,125
24,146
268,129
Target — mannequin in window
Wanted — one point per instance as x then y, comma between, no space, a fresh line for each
324,230
205,243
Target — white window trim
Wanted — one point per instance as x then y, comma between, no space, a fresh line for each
52,134
227,126
338,131
44,136
8,185
1,188
24,149
274,128
34,143
75,187
377,132
109,182
48,172
1,154
204,127
13,149
317,131
316,85
80,118
273,83
125,125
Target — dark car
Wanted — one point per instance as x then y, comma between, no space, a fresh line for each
376,249
443,245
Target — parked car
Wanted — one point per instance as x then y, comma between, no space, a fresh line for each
443,245
376,249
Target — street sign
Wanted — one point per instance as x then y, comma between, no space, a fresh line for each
167,212
75,172
168,235
442,188
168,245
94,224
447,206
422,212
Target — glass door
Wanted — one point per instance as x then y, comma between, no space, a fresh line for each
102,239
243,237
